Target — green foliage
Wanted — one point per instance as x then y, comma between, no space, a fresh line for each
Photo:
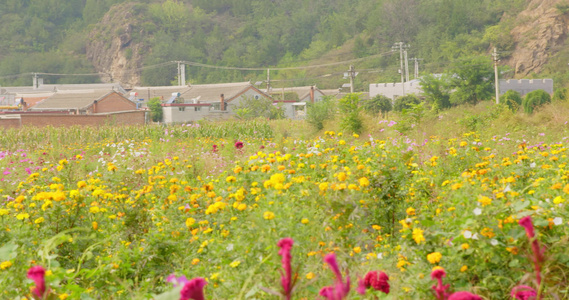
349,107
436,91
512,99
473,80
474,122
560,95
251,108
156,112
405,102
535,99
377,104
319,112
411,116
562,7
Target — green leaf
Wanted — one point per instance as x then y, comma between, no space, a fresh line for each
8,251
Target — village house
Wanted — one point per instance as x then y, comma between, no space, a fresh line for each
85,102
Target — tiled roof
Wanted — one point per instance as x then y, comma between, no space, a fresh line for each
212,92
162,92
71,100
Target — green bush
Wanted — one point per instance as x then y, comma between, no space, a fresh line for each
350,110
155,109
560,95
318,112
512,99
377,104
535,99
406,102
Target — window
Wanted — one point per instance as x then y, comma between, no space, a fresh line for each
197,108
181,108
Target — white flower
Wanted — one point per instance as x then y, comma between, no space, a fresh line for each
477,211
467,234
557,221
532,165
475,236
229,247
494,242
507,189
380,255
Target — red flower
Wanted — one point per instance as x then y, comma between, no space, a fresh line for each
37,274
439,288
193,289
464,296
526,223
340,289
238,145
523,292
377,280
286,280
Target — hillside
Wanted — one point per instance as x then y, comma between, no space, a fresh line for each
135,42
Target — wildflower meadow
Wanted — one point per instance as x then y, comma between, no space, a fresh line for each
273,210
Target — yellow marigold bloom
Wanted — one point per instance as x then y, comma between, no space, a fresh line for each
357,249
418,235
364,182
63,162
410,211
456,186
4,211
22,216
63,296
558,200
242,207
488,232
463,144
5,265
485,200
235,263
465,246
310,275
268,215
323,186
95,225
39,220
376,227
464,268
342,176
172,197
513,250
195,261
434,257
230,179
94,209
304,221
278,178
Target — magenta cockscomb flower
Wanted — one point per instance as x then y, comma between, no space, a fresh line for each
193,289
214,148
376,280
440,288
286,279
523,292
538,251
464,296
37,274
340,289
238,145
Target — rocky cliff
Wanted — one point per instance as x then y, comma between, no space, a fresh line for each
540,31
115,46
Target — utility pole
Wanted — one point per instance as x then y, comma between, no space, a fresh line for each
496,59
406,67
401,46
416,60
352,74
269,82
181,73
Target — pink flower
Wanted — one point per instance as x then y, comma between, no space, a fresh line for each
526,223
538,251
37,274
182,280
340,289
523,292
238,145
439,288
464,296
193,289
214,148
286,280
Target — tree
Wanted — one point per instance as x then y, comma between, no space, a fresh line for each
377,104
405,102
512,99
535,99
436,91
349,107
318,112
560,95
472,80
251,108
155,106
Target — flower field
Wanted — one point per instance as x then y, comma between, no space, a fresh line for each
111,213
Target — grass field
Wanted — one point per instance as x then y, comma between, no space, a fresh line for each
111,213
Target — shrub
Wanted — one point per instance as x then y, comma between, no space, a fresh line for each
560,95
377,104
251,108
154,104
535,99
406,102
318,112
350,110
512,99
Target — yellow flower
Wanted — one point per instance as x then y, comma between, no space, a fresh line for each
195,261
418,235
464,268
39,220
342,176
63,296
235,263
95,225
323,186
268,215
364,182
434,257
94,209
304,221
357,249
465,246
22,216
410,211
5,265
485,200
309,275
4,212
241,206
81,184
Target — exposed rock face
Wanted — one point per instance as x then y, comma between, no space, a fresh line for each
540,29
111,47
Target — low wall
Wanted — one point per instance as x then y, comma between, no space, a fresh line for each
40,120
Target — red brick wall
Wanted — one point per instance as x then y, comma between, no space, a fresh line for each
112,103
9,123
